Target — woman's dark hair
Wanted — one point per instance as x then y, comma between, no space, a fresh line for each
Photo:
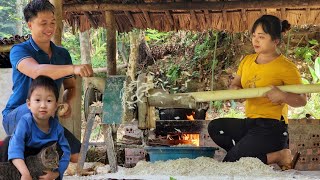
271,25
44,82
32,9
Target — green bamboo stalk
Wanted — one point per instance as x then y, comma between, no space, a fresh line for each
207,96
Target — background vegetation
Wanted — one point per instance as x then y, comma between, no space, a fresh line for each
185,61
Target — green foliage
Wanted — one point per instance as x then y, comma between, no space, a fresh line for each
99,49
155,35
312,107
307,52
7,14
315,72
72,43
233,113
174,73
172,178
205,49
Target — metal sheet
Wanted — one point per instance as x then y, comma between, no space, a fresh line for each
112,100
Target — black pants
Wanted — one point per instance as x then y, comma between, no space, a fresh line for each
249,137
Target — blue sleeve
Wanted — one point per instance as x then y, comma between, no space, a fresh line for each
17,142
64,145
18,53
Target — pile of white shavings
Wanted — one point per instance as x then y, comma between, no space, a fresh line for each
203,166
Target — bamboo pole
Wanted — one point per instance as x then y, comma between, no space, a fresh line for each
160,98
250,92
214,6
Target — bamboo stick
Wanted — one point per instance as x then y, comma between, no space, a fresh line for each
249,93
159,98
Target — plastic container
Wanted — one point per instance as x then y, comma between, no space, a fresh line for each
171,153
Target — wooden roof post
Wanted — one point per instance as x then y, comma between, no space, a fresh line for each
111,43
73,123
59,25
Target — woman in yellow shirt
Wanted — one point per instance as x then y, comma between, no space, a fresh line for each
264,133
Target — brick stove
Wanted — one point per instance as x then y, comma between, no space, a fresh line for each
304,136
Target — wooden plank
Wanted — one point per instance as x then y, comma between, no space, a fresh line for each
85,142
73,123
142,104
112,156
130,17
111,43
151,119
214,6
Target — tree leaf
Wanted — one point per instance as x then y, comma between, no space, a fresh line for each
313,74
317,67
313,42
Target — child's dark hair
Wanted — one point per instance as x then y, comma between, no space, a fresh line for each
272,26
44,82
32,9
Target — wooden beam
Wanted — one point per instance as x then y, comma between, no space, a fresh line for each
215,6
130,17
87,14
146,15
57,38
111,43
93,24
169,16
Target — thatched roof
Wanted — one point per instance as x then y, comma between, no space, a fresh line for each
198,15
5,46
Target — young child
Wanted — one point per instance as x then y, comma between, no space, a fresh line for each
39,128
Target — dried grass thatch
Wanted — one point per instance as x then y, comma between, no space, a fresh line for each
196,15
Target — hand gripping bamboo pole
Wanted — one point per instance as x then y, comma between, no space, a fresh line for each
250,92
